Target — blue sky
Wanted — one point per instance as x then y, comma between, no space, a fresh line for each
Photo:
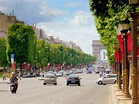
63,19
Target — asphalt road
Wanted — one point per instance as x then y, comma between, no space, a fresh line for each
31,91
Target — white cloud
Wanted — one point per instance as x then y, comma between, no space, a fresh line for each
81,18
2,8
51,11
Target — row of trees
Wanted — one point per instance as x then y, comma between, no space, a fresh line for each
23,43
107,15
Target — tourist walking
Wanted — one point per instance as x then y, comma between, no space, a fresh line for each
4,77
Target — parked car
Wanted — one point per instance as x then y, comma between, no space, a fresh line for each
50,79
73,79
107,79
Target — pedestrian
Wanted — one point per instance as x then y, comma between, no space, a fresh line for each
41,74
100,74
103,75
4,78
19,75
14,79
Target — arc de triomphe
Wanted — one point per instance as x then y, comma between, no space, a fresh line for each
97,46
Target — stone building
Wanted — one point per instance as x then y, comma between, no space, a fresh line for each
50,39
71,44
6,21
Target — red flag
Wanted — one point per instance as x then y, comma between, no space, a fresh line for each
120,40
129,42
115,56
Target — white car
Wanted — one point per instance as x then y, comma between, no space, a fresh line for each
107,79
50,79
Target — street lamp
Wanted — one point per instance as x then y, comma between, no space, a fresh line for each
119,73
124,29
134,78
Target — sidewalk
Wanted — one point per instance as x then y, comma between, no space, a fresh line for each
121,99
5,81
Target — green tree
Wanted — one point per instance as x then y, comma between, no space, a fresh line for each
3,58
42,53
21,39
107,21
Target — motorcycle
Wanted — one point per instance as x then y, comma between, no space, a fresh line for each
13,87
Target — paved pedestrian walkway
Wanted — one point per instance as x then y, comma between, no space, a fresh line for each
4,81
121,99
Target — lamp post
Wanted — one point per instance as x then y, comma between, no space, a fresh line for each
124,30
134,78
119,70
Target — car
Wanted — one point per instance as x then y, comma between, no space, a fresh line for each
50,79
49,72
73,79
59,74
107,79
26,75
78,71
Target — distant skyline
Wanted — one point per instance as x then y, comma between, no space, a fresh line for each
63,19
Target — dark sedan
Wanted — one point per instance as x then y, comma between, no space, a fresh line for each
73,79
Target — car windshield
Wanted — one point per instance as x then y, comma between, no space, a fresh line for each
49,76
73,76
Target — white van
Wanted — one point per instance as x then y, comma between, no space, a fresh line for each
107,79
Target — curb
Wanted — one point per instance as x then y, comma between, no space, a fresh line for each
120,102
120,98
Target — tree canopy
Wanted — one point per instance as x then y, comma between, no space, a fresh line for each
3,58
107,21
23,43
21,39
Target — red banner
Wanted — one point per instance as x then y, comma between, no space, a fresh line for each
129,42
116,56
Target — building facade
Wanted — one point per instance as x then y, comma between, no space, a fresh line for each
6,21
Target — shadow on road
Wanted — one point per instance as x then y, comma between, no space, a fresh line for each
4,90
